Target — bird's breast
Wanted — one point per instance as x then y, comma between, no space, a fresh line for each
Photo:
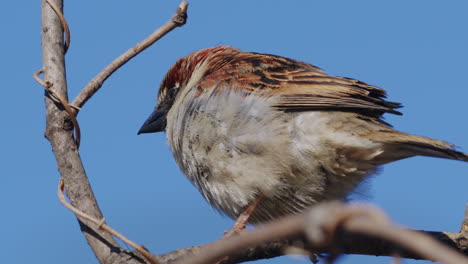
234,146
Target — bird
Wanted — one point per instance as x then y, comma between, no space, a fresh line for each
263,136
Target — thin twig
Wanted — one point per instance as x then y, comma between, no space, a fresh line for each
93,86
101,223
48,86
64,23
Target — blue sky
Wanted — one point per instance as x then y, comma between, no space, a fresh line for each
416,50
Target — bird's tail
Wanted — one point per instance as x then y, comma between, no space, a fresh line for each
400,145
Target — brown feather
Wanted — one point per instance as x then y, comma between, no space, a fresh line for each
302,87
401,145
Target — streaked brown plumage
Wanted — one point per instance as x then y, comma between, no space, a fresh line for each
244,124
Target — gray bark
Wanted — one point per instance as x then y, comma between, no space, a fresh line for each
59,131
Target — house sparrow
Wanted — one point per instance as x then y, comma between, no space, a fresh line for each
263,136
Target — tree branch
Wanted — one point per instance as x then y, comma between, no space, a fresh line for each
59,129
350,236
59,133
177,20
101,223
349,243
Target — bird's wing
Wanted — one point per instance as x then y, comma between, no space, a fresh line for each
301,86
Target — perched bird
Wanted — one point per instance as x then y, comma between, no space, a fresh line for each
263,136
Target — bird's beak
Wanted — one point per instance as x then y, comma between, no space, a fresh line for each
156,122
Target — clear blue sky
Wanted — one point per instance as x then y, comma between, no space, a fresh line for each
416,50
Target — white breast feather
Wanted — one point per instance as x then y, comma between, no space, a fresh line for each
233,146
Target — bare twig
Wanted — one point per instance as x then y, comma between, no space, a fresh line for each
102,225
93,86
58,99
324,225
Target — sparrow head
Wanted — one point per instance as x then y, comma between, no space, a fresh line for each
188,69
